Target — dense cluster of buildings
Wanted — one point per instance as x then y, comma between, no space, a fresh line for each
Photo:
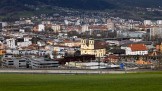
53,43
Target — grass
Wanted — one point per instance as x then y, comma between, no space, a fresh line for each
51,82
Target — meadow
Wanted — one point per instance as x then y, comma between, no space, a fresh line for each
87,82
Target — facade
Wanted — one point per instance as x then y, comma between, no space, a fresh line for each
42,63
89,47
23,42
110,25
39,28
147,22
155,31
85,28
2,49
11,43
56,28
34,63
15,62
159,47
0,27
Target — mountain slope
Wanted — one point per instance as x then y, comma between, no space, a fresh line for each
76,4
138,3
15,7
19,5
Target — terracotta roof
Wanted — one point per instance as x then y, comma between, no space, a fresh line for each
138,47
67,41
112,57
70,28
147,26
98,27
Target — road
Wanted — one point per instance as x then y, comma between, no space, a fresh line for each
57,71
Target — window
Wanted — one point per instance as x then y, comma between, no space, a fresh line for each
22,60
10,64
101,54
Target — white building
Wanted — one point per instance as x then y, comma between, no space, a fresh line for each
66,22
15,63
4,24
41,27
46,22
147,22
11,43
136,49
159,22
85,28
42,63
22,30
23,42
56,28
156,31
110,25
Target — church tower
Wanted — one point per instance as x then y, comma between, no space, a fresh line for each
91,44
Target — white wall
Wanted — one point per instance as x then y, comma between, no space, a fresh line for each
41,27
56,28
11,43
24,44
130,52
147,22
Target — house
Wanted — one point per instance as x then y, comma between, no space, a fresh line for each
93,48
12,51
136,49
56,28
112,59
11,43
113,42
39,28
59,51
2,49
142,62
70,43
23,42
159,47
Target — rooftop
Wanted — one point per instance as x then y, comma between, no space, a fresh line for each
138,47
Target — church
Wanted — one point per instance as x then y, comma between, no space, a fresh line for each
92,47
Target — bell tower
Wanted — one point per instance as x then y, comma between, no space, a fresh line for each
91,44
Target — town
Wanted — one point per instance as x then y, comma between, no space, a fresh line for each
85,42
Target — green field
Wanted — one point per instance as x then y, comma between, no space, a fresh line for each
108,82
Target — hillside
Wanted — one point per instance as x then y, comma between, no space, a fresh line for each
10,8
19,5
137,3
16,5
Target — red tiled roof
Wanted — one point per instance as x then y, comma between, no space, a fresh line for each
67,41
112,57
147,26
138,47
98,27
